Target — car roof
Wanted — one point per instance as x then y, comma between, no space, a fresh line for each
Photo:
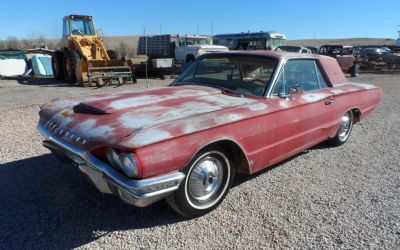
330,65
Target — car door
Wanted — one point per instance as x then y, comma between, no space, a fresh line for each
305,118
180,53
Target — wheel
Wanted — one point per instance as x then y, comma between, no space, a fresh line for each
189,59
208,179
114,55
57,65
72,67
355,70
345,127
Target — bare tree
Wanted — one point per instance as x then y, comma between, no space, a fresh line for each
2,45
27,43
38,39
12,42
123,49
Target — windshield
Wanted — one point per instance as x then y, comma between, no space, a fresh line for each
276,42
197,41
82,27
246,75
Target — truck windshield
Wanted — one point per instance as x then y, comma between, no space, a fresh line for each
245,75
82,27
197,41
276,42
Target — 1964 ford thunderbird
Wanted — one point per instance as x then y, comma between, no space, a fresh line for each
228,112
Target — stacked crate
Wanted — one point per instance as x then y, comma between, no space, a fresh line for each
159,46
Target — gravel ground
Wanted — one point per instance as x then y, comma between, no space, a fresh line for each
344,197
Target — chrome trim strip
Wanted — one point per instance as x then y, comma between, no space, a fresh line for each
275,76
144,191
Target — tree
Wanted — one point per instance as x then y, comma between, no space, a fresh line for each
123,49
12,42
38,39
27,43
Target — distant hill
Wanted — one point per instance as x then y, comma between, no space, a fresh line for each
346,41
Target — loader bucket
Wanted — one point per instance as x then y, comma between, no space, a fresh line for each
103,72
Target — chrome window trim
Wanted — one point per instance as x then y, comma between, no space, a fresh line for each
275,77
316,73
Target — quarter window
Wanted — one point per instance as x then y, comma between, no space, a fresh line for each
300,72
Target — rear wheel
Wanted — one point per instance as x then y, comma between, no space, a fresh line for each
355,70
57,65
345,127
207,182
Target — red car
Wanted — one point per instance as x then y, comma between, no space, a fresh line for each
228,112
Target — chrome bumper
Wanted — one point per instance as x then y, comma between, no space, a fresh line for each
139,193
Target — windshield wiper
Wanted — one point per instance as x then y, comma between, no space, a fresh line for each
224,89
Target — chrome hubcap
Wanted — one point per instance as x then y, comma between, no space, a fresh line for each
205,179
345,126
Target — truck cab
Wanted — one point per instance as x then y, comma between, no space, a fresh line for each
188,48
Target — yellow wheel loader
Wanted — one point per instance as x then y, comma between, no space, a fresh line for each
83,59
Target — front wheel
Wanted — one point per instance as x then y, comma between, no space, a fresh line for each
345,127
57,65
207,182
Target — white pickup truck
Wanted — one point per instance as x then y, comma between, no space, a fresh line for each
182,48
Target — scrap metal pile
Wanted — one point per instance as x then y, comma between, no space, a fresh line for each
379,59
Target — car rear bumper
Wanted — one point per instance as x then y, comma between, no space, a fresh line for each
139,193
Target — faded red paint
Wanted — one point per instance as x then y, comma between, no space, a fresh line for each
165,127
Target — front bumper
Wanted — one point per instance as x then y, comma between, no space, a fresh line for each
139,193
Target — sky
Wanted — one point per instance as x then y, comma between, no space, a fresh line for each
305,19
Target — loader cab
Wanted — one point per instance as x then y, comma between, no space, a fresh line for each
77,25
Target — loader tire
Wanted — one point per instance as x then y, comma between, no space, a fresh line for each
57,65
114,55
71,61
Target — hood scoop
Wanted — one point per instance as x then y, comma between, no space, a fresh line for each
83,108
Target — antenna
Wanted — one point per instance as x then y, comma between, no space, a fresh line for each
145,35
398,30
212,28
197,29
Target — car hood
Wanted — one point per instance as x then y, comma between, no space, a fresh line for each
143,117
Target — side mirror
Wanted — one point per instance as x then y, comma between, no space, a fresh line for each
295,90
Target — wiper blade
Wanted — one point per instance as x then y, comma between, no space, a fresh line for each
224,89
227,90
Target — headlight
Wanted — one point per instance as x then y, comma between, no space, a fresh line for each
114,158
123,161
129,165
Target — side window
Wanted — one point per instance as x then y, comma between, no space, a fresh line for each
66,28
181,41
299,72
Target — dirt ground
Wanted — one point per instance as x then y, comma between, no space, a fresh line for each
326,198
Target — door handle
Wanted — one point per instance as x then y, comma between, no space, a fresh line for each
329,101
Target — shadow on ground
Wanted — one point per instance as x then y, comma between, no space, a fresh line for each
37,81
45,204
